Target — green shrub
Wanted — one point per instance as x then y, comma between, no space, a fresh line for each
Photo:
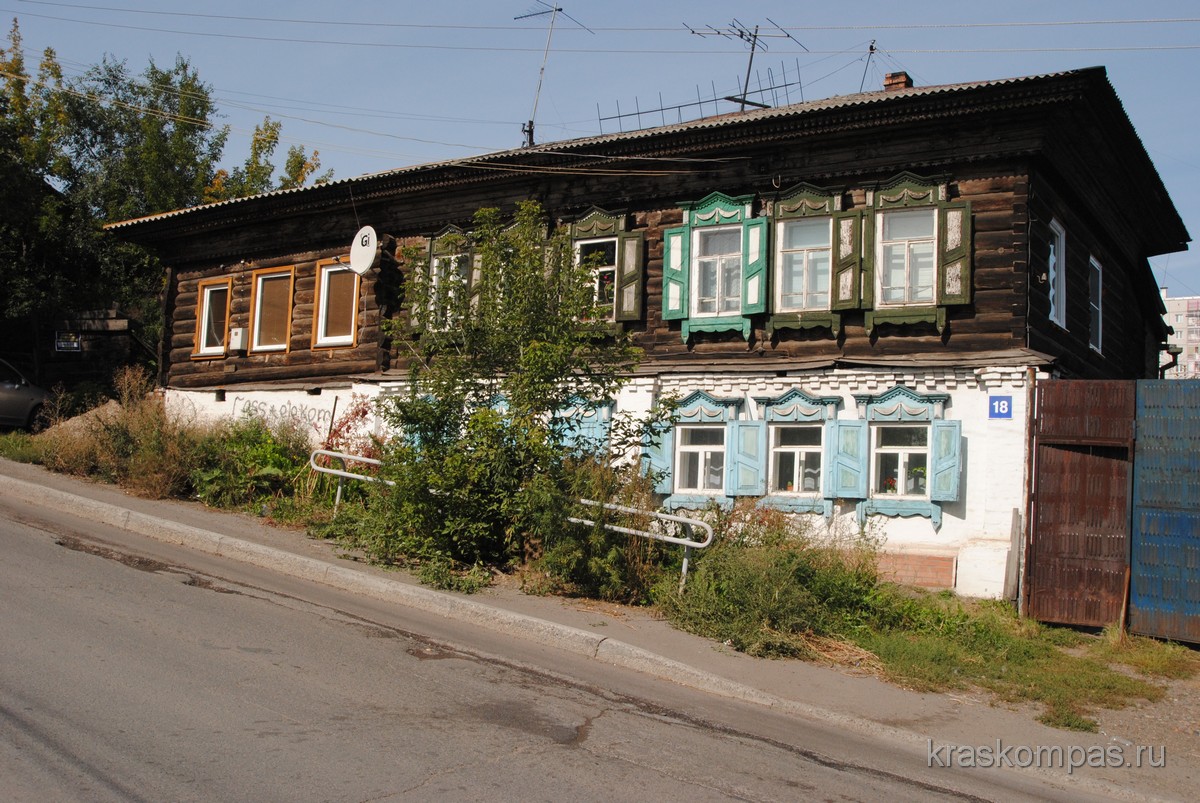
767,585
244,461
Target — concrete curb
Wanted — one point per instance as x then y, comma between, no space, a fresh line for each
572,639
581,642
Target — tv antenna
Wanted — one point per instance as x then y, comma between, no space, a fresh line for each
754,39
553,11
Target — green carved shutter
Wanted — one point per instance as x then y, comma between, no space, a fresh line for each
657,458
629,276
846,464
954,254
847,279
945,461
754,266
745,456
676,246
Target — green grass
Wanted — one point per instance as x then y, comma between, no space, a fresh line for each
19,446
769,589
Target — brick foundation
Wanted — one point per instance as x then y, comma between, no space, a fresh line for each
927,571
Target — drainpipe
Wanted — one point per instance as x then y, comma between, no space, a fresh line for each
1174,351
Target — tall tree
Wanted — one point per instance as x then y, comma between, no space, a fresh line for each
257,174
105,146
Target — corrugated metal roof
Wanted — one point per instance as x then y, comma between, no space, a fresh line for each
575,146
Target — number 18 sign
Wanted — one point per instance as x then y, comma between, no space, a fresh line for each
1000,407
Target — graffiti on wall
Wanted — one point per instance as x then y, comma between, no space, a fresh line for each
319,418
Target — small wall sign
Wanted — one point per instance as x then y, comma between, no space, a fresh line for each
1000,407
68,341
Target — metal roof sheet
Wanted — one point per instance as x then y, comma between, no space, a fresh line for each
575,146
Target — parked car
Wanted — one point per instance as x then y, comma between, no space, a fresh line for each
20,401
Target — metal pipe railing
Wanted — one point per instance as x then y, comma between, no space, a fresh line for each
688,542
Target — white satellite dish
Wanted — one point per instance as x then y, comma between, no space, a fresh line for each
362,250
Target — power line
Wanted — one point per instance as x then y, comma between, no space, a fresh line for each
609,51
431,26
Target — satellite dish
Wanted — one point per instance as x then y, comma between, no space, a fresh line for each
362,250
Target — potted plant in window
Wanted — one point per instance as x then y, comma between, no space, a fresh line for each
916,480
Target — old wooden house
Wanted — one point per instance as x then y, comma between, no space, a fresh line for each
853,296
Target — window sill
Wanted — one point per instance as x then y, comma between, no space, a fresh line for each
696,501
716,324
804,320
209,356
797,503
906,315
900,507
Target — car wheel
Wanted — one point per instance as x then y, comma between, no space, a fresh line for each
37,421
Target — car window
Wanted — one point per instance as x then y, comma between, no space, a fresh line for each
9,375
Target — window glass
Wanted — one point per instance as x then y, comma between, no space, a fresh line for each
1095,303
907,262
718,271
901,460
601,256
338,305
915,224
700,460
796,459
804,264
272,315
214,319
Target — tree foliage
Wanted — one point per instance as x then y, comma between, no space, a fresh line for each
104,146
488,464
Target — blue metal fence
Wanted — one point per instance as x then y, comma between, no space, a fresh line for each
1165,554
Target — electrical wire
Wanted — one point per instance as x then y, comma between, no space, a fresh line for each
523,28
599,51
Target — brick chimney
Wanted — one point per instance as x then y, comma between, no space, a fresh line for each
896,80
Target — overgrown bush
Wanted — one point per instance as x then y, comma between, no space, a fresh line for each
594,561
505,336
768,584
241,462
132,441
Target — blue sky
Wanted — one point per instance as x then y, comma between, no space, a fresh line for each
374,85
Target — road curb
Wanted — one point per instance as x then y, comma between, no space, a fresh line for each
571,639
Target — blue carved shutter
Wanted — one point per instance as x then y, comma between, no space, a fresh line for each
945,460
846,464
745,455
657,458
676,250
590,426
754,266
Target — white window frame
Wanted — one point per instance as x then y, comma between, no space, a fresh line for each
1095,305
1056,273
903,467
723,261
907,244
260,278
440,302
798,452
202,324
781,254
708,455
320,338
599,270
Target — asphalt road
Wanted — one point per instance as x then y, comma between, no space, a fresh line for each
138,671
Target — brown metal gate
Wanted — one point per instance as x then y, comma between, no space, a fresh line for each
1078,551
